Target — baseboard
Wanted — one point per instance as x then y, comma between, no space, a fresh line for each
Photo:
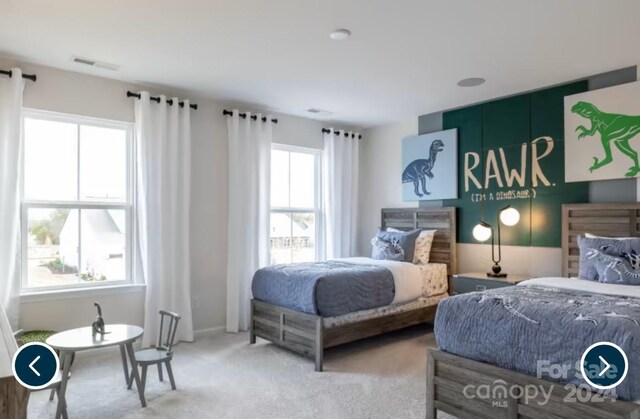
208,332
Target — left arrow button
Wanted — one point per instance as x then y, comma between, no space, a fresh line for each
35,371
35,365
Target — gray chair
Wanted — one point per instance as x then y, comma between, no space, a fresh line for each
54,386
161,354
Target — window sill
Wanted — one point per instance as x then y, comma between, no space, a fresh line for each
49,295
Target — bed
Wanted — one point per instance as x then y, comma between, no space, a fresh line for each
529,323
299,328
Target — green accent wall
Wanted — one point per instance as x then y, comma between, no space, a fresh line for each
529,175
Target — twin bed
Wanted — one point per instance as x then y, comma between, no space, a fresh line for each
498,338
493,339
307,308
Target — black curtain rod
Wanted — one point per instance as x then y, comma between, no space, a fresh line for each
244,116
9,73
337,132
157,100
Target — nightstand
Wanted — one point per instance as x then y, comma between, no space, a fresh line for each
478,281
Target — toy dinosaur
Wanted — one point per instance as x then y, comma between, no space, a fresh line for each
98,325
418,170
613,128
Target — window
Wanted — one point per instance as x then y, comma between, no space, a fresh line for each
77,203
295,205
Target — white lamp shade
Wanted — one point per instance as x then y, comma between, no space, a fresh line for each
510,217
481,233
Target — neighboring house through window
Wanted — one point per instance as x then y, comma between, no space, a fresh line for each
77,202
296,217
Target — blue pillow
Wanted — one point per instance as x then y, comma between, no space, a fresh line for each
386,250
613,269
632,257
406,240
588,269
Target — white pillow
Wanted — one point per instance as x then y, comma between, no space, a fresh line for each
593,236
423,245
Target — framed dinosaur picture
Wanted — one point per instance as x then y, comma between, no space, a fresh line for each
430,166
602,133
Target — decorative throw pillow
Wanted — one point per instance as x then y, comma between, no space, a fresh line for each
588,268
386,250
593,236
613,269
632,257
423,245
407,240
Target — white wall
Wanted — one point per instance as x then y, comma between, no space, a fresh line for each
75,93
380,170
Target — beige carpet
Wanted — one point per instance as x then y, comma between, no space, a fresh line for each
222,376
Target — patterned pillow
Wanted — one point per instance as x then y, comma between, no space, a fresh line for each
613,269
423,245
386,250
632,256
405,239
588,268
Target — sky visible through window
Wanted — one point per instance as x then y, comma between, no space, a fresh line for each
51,162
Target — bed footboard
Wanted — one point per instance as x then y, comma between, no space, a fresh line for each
471,389
300,332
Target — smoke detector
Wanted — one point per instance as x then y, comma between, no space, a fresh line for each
94,63
340,34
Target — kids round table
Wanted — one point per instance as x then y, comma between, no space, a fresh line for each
75,340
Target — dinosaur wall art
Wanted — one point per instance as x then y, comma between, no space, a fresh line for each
602,134
430,167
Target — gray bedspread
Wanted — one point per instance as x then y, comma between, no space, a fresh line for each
516,327
327,289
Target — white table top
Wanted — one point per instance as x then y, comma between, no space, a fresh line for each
81,339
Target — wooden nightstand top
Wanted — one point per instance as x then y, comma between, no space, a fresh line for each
511,278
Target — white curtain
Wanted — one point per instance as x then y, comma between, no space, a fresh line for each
340,192
163,135
11,149
249,206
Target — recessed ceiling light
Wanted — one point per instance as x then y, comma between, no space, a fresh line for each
340,34
471,82
320,112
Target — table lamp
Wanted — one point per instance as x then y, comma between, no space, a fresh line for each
483,231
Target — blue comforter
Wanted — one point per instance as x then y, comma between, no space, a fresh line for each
516,327
327,289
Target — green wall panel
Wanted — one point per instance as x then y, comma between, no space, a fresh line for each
505,122
518,146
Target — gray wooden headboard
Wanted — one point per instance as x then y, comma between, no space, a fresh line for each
441,219
611,220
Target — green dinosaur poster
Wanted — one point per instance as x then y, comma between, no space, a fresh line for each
512,152
602,133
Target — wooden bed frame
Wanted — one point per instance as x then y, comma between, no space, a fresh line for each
305,333
447,374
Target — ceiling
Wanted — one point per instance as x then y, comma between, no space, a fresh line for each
403,60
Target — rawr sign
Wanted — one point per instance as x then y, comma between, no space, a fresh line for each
514,179
512,152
